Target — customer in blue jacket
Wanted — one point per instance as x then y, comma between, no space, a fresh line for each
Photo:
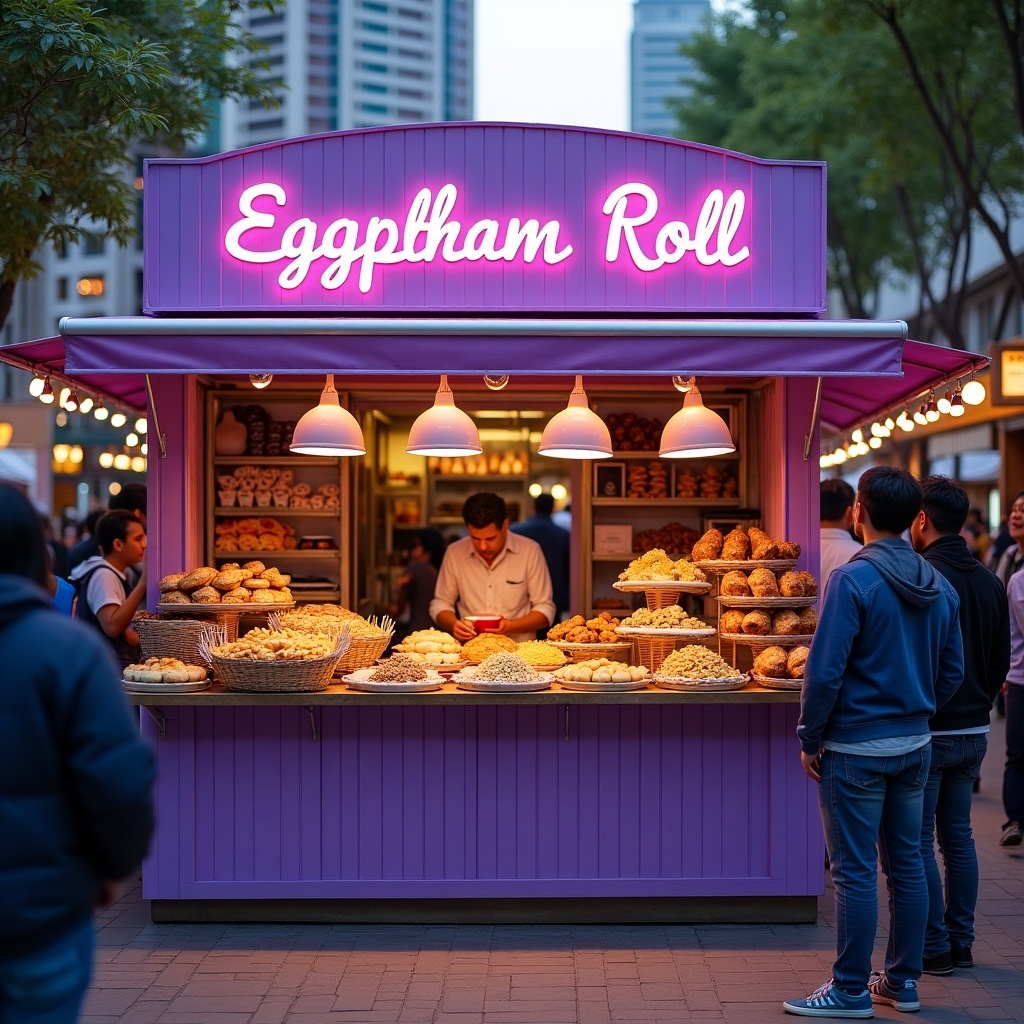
886,654
960,728
76,810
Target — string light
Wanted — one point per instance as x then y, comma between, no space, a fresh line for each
931,408
118,419
101,412
973,392
46,395
35,386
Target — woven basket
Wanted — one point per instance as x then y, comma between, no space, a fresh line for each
228,621
653,650
175,638
621,651
275,676
363,651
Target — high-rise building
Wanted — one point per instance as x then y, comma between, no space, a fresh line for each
656,65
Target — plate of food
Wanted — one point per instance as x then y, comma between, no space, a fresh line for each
775,683
364,679
683,586
712,684
735,601
766,639
165,675
719,566
469,680
664,631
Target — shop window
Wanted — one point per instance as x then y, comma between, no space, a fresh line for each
62,287
92,245
373,108
91,287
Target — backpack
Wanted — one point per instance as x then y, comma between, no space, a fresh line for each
125,652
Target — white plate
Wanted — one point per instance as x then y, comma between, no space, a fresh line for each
774,683
360,680
705,685
580,684
683,586
133,687
733,601
469,681
654,631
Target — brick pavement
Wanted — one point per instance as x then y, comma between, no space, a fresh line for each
534,974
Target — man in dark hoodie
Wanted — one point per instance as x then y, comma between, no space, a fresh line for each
886,654
960,728
76,808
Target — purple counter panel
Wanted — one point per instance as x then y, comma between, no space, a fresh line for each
487,218
483,801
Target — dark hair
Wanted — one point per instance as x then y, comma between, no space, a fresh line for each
434,545
945,503
836,497
131,497
24,551
484,509
113,526
91,520
891,498
544,504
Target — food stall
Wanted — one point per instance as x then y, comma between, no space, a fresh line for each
388,257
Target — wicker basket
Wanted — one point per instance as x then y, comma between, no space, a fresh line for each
621,651
363,651
275,676
228,621
176,638
653,650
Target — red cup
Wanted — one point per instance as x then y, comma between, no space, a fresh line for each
484,623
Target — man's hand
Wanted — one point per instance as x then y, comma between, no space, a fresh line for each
463,630
811,764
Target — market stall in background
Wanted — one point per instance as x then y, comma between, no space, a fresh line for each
533,277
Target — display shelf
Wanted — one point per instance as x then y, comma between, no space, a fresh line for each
270,512
274,460
666,502
234,556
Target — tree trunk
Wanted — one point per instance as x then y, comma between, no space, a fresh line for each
6,300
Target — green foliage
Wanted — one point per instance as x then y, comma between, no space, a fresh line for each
83,83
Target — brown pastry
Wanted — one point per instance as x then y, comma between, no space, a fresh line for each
171,582
763,583
197,578
757,623
228,580
255,583
808,621
810,583
240,595
709,547
771,662
731,621
256,566
786,623
734,584
791,585
175,597
796,661
788,548
206,595
762,547
736,546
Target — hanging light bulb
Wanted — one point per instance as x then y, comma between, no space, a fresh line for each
65,394
839,456
945,403
890,423
131,440
956,404
695,431
495,383
327,428
85,405
75,455
577,432
931,408
904,422
122,461
875,442
101,412
35,386
444,429
857,436
46,394
973,392
920,416
824,462
260,380
141,426
106,459
118,419
879,430
71,402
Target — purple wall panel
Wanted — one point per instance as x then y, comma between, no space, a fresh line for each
483,800
500,172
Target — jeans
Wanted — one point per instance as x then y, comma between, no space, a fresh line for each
49,985
956,763
1013,774
867,801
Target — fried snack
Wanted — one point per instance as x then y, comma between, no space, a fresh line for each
736,546
695,662
786,623
771,662
601,670
757,623
796,661
791,585
810,583
560,630
505,667
808,621
276,645
168,583
206,595
670,617
536,652
763,583
483,645
731,621
399,668
762,547
656,565
175,597
788,548
709,547
736,584
197,578
164,670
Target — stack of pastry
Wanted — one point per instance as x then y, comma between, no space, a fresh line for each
252,583
742,545
778,663
262,534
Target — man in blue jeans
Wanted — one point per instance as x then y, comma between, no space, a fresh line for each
960,728
886,654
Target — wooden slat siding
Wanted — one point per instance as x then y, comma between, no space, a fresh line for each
458,801
501,171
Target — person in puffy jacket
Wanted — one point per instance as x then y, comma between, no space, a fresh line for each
76,809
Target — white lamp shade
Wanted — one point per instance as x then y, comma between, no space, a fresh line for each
973,392
577,432
328,429
444,429
695,431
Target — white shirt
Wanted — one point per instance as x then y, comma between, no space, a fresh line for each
513,585
837,548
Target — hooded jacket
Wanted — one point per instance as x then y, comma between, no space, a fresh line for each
887,651
985,626
75,776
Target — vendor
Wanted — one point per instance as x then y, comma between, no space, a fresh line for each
492,571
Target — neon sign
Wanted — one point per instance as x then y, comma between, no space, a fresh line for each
428,233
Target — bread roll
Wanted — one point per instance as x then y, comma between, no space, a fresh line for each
197,578
771,662
229,579
735,584
709,547
786,623
206,595
175,597
808,621
736,546
788,549
810,583
731,621
763,583
168,583
791,585
757,623
796,661
762,547
240,595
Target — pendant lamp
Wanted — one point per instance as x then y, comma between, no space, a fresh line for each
444,429
327,429
577,432
695,431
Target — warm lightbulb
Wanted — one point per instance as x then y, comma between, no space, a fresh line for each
118,419
101,412
875,442
857,436
890,424
62,400
114,488
973,392
931,408
945,403
558,492
122,461
132,440
535,490
919,416
86,404
141,426
72,401
138,464
957,405
76,454
61,452
905,422
106,459
46,395
35,386
144,448
839,455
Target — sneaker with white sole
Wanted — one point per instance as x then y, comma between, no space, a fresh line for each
903,997
831,1001
1012,834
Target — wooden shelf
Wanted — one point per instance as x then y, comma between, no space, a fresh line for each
275,460
234,556
635,503
270,512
